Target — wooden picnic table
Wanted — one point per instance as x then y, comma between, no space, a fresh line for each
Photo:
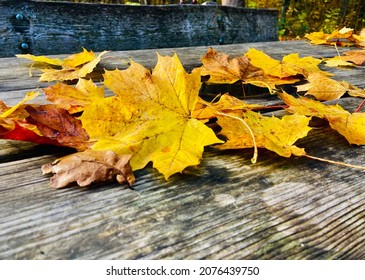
225,208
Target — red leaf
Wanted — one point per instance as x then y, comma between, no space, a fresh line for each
23,134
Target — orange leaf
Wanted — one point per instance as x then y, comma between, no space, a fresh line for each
6,112
344,33
10,117
74,99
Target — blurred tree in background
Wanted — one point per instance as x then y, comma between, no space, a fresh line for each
297,17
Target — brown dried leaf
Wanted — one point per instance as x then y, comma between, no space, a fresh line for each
58,124
357,57
89,167
223,69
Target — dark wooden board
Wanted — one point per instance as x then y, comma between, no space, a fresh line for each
60,27
225,208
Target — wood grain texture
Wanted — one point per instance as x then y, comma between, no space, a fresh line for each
225,208
54,28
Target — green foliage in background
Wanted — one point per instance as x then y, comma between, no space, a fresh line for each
298,17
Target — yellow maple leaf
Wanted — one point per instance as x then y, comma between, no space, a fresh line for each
74,99
317,38
73,67
304,65
342,37
338,61
360,38
353,90
226,102
42,59
68,73
351,126
29,96
78,59
274,134
151,116
271,66
324,88
71,61
9,117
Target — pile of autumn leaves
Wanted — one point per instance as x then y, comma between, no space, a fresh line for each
159,117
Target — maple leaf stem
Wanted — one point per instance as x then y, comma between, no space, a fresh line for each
270,107
123,61
243,89
255,155
31,69
339,55
360,106
336,162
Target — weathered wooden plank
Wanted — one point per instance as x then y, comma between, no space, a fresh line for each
225,208
15,80
59,27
